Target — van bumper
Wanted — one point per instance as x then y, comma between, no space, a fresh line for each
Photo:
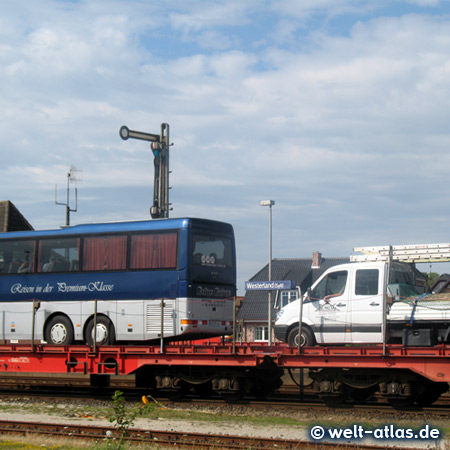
280,332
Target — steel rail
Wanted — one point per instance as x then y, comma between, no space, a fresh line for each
164,438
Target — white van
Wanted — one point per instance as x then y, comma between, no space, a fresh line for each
346,305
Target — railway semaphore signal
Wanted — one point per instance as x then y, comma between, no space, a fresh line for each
160,148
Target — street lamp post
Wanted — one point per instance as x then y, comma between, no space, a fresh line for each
269,203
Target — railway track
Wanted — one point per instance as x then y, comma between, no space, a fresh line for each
164,438
435,411
56,386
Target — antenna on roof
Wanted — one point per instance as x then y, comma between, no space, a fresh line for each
73,176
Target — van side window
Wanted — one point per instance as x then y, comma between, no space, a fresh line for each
332,285
366,282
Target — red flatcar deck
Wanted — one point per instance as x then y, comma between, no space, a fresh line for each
431,362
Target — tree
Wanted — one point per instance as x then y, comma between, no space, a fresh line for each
431,278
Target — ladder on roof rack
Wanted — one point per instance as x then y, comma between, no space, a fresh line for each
404,253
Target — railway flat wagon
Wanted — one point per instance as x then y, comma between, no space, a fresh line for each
404,376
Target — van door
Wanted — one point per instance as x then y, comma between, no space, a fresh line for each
329,307
366,307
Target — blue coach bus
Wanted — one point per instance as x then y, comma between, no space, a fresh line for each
126,274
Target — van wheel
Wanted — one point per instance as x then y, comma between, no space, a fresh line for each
105,334
59,331
307,339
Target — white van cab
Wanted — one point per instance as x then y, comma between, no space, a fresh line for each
347,303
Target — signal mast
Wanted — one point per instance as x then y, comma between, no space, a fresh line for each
160,148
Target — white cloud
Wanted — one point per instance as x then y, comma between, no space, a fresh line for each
344,125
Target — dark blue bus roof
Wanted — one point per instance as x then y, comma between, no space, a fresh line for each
115,227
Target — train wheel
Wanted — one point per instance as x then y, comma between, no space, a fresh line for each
363,395
231,389
176,393
334,400
231,397
409,395
431,393
204,390
307,338
401,402
104,334
59,331
262,388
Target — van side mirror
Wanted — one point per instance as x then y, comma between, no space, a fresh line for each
308,294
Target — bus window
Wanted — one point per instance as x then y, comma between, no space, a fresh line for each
211,251
153,251
16,256
58,255
105,253
212,258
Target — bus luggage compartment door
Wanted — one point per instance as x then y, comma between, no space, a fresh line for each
153,319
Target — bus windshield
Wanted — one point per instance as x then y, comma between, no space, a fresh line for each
212,258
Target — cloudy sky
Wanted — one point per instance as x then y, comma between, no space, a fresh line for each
337,110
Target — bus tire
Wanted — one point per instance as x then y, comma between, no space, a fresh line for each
105,332
59,331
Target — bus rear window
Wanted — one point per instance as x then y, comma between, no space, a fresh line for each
105,253
212,251
153,251
212,258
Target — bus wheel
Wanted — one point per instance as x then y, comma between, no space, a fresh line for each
104,334
59,331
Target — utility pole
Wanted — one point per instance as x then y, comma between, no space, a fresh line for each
72,177
269,203
160,148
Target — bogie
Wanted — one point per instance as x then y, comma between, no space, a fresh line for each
399,388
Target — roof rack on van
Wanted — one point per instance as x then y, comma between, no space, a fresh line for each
404,253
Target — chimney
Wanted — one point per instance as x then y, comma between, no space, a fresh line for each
316,259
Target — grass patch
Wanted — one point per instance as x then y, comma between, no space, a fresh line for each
218,415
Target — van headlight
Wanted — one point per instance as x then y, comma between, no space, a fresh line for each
280,313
